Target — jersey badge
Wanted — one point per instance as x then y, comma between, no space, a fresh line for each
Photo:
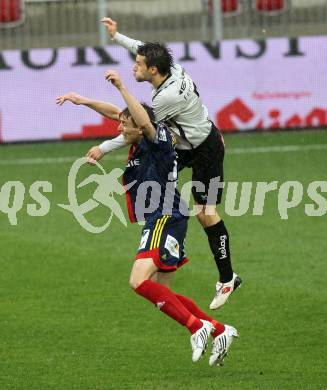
172,245
162,135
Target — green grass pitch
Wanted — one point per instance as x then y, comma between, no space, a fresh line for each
68,319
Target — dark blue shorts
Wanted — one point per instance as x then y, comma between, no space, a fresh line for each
163,241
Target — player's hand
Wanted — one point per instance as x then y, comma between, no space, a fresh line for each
111,26
94,155
71,97
114,78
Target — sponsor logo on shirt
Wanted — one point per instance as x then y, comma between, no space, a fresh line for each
133,163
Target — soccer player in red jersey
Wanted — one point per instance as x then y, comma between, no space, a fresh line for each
152,159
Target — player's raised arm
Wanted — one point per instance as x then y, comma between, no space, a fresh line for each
138,113
132,44
106,109
122,40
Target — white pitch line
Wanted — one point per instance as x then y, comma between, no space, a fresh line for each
276,149
122,157
40,160
50,160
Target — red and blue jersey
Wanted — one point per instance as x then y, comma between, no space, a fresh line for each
151,178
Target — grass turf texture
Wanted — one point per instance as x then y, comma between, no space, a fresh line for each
68,319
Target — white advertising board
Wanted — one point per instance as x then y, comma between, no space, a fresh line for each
246,85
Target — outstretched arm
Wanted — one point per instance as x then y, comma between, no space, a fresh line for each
106,109
138,113
131,44
122,40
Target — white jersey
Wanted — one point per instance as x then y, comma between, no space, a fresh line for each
177,103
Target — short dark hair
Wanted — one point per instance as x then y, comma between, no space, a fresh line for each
147,108
157,54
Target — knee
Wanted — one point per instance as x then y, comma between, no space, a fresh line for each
201,217
135,282
208,216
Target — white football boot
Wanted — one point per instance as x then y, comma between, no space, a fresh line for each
199,340
223,291
221,345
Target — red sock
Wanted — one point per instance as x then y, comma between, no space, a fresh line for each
167,302
196,311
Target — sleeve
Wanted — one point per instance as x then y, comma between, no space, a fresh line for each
163,141
128,43
163,150
112,144
166,105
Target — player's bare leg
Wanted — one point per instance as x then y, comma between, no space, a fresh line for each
143,269
219,244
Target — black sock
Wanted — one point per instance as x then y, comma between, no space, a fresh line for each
219,244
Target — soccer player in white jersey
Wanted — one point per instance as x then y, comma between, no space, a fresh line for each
200,145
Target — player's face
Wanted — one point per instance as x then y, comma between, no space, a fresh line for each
140,70
130,133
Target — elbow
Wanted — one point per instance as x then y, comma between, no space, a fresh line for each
146,125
